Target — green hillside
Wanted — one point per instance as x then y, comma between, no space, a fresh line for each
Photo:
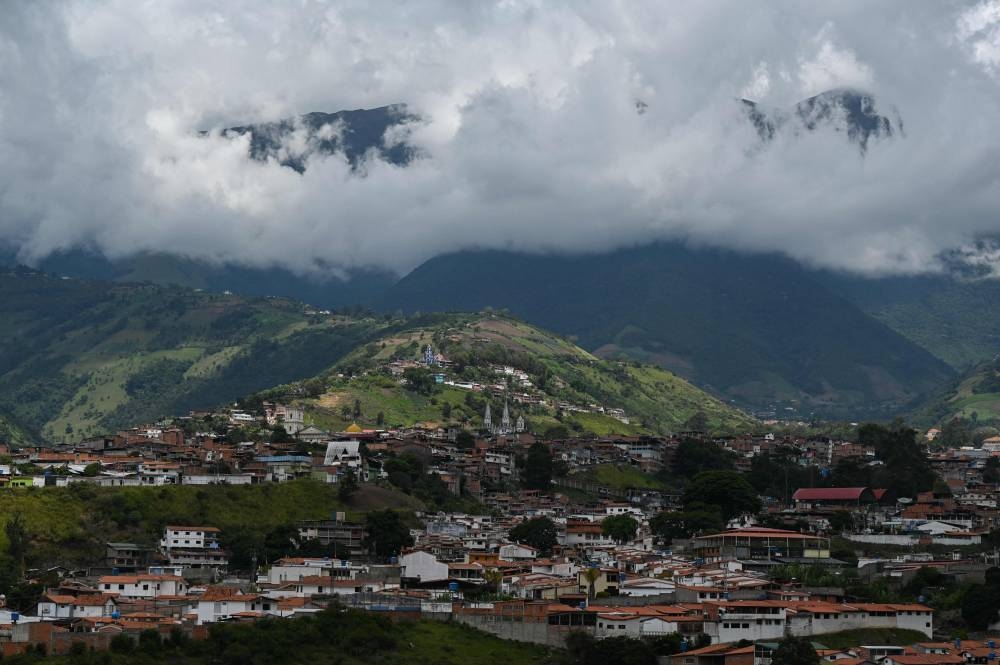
359,388
974,398
85,357
957,320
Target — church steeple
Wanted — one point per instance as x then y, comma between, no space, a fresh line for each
487,419
505,419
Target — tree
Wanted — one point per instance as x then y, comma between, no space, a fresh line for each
925,577
357,409
17,540
347,486
556,433
693,456
380,419
538,532
794,651
729,491
538,467
465,440
906,469
621,528
280,435
697,422
841,521
954,434
420,380
592,574
446,410
386,534
667,526
585,649
979,602
991,472
92,469
494,578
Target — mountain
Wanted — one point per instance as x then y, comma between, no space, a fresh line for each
329,291
955,318
506,360
851,112
292,141
757,329
92,356
95,356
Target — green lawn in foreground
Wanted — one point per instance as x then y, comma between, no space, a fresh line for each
860,636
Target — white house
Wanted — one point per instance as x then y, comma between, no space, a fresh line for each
57,606
646,586
142,585
189,537
517,552
634,622
343,453
422,566
293,569
218,603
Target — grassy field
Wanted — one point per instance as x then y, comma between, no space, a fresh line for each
883,636
70,525
962,400
623,477
384,395
454,644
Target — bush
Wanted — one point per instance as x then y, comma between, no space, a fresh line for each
122,643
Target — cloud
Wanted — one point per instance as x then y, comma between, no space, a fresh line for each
530,131
832,67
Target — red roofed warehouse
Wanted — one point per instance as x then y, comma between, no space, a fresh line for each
833,496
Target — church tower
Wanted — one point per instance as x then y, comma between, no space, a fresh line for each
487,419
505,419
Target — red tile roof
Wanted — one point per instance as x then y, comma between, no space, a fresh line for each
829,493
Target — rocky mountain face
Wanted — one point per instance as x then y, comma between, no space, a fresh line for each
381,132
850,112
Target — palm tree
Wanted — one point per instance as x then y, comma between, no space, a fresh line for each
591,575
494,578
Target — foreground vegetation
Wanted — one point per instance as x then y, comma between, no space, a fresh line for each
70,526
853,638
334,636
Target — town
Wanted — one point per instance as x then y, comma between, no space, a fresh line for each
534,539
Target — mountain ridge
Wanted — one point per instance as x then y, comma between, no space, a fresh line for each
756,329
96,356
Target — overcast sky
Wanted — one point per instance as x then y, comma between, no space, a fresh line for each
530,131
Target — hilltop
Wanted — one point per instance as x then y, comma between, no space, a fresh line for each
490,358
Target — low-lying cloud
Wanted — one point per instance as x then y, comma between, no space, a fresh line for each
531,133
